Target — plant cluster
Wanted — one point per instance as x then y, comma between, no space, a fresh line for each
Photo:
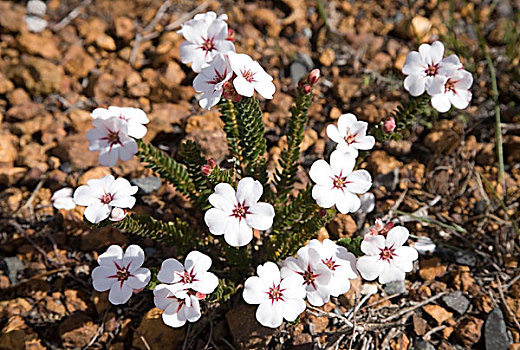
239,203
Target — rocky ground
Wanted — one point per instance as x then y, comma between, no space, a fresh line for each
441,181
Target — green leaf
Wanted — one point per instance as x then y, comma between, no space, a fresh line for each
353,245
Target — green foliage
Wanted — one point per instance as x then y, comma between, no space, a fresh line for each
224,291
353,245
177,232
306,229
407,115
286,218
228,114
285,178
251,138
167,168
153,280
192,157
219,175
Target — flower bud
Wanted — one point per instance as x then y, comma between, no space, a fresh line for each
211,163
117,214
389,125
307,89
314,76
200,296
322,212
207,168
230,35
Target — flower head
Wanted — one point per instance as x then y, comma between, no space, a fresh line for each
205,37
340,262
193,274
134,118
179,304
453,90
100,196
250,76
337,183
316,275
389,125
211,79
350,135
235,214
117,214
278,298
110,137
386,257
120,273
423,68
62,199
380,228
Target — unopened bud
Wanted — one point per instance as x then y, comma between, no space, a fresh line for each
314,76
307,89
389,125
200,296
322,212
117,214
205,170
211,162
230,35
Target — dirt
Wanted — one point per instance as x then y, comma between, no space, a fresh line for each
441,181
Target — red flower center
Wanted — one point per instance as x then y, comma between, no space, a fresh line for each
330,263
450,85
208,44
106,198
350,138
339,181
432,70
187,277
309,277
240,211
248,75
122,273
275,293
387,253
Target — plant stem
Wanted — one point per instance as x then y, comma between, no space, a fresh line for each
494,89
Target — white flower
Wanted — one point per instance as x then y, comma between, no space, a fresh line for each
426,66
100,196
209,17
386,258
316,275
206,36
134,118
340,262
350,135
121,273
235,214
250,76
179,304
110,137
454,90
337,184
193,274
211,79
278,298
62,199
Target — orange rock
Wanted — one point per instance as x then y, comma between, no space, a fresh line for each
438,313
431,268
327,57
469,330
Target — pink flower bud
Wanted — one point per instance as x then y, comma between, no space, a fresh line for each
322,212
200,296
117,214
205,170
211,163
307,89
314,76
230,35
389,125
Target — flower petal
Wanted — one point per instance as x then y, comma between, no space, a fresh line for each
370,267
97,212
133,258
224,197
261,216
372,245
249,191
321,173
173,315
441,102
169,270
323,195
334,134
243,87
292,308
197,262
346,201
269,315
238,233
255,290
119,293
217,220
139,278
101,279
397,237
391,273
404,258
415,84
342,163
359,181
